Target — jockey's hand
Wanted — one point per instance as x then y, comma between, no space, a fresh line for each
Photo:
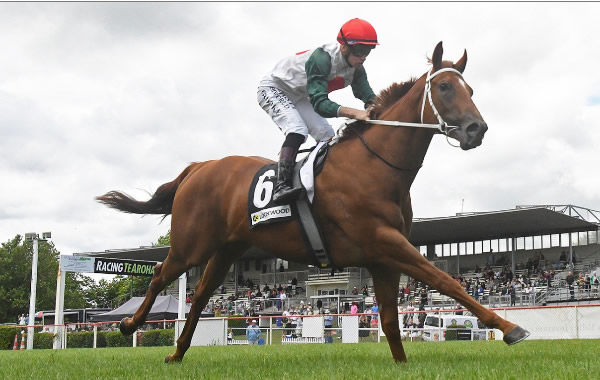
353,113
371,111
362,115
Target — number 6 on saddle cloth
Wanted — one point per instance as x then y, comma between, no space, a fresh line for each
262,211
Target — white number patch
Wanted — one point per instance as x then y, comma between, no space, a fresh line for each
263,190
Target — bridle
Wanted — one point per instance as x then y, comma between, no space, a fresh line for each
442,127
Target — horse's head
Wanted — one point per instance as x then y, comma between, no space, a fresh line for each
450,101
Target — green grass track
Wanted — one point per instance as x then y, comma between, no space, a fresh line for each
539,359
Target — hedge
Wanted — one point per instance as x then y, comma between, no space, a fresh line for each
7,337
43,340
238,325
116,339
157,338
85,339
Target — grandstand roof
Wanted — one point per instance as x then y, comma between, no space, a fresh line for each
528,221
517,222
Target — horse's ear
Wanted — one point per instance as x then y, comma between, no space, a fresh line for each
436,59
462,63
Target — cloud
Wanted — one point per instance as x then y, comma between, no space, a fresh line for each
102,96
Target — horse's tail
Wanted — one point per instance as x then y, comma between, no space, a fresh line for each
160,203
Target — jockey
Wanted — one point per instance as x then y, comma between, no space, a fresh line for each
295,94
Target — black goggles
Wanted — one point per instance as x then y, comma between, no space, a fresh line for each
360,50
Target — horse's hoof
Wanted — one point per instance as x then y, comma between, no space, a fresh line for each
170,359
123,327
516,335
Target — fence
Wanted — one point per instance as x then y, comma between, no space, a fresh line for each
550,322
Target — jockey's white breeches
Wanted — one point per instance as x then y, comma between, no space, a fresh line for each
293,117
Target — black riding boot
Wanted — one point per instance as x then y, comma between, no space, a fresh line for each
284,190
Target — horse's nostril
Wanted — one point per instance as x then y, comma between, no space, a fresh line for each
476,128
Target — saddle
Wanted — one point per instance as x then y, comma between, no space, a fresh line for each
261,210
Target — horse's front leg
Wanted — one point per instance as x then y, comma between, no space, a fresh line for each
395,252
386,292
213,276
164,274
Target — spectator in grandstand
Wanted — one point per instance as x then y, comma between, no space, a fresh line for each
458,310
423,300
363,324
355,291
285,320
570,281
587,284
218,308
422,316
293,322
252,332
299,326
375,316
328,320
406,320
354,308
595,282
513,295
580,283
365,291
283,297
319,309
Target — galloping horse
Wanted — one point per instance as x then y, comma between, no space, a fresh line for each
362,204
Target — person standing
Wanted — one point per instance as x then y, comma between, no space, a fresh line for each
296,94
570,280
253,332
513,295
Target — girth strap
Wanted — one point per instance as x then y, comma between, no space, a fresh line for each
311,230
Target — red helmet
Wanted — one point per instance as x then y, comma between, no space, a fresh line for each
357,31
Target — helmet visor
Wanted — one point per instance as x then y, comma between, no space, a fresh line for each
360,50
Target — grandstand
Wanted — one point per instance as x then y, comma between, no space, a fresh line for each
534,248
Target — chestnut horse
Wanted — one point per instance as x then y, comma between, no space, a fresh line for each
362,204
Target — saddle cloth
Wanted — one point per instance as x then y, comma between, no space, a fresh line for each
261,209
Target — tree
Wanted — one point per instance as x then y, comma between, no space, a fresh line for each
16,256
165,239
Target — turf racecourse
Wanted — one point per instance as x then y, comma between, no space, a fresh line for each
555,359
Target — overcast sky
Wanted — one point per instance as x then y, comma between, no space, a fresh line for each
105,96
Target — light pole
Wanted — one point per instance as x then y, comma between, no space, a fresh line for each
34,238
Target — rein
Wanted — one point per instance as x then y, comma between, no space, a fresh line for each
383,159
442,127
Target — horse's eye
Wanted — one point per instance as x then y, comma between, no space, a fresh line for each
444,86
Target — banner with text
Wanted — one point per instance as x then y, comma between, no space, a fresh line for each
85,264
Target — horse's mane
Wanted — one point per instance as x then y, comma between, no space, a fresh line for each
384,100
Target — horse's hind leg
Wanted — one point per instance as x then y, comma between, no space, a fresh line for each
386,291
164,274
213,276
396,252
